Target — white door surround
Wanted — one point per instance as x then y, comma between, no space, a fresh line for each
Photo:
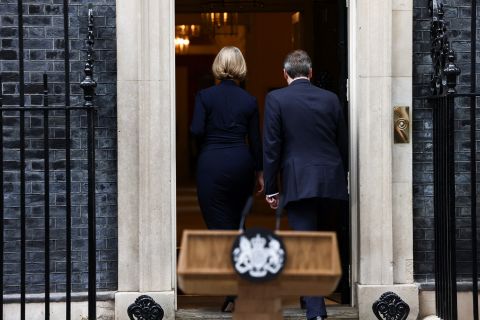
381,184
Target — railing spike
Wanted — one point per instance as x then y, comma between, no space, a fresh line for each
445,71
89,84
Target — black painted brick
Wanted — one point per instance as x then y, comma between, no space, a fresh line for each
44,45
457,13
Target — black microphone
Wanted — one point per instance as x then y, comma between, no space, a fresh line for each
278,217
246,210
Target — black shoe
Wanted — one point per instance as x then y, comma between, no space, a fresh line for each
228,305
303,305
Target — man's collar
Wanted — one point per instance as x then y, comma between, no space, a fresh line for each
299,80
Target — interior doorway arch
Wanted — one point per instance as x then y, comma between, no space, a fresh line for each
323,36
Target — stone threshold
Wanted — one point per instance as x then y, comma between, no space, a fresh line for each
334,313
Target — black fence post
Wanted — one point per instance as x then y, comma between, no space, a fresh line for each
2,214
443,84
22,161
473,155
46,196
68,176
88,85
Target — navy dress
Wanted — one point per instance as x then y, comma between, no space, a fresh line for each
226,120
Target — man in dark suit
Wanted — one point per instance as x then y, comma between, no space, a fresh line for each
305,141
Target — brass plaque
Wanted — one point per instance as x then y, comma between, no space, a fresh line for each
401,124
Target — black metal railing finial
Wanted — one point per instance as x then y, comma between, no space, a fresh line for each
451,72
89,84
445,71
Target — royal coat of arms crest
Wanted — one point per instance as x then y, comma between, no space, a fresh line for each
258,255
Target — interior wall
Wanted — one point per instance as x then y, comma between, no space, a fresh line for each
193,73
269,39
181,121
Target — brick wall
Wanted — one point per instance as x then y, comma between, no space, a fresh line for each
457,13
44,52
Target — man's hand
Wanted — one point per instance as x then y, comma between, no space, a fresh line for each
273,201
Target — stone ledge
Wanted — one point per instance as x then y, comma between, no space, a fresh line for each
464,305
79,310
58,297
461,286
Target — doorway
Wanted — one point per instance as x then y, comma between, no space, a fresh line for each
265,32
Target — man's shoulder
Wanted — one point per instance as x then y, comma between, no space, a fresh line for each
318,94
277,92
288,91
281,95
327,94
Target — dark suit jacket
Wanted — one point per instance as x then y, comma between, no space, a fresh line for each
305,140
226,115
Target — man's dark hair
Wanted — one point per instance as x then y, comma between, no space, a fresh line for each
297,64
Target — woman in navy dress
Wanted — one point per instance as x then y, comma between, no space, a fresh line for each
226,121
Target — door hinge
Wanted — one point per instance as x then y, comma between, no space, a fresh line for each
348,182
347,87
350,275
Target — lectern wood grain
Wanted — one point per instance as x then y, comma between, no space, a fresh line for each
312,268
258,301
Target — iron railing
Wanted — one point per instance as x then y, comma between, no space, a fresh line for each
444,101
445,170
47,114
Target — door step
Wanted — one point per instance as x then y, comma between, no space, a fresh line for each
334,313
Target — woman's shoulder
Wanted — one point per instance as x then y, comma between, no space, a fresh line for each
248,95
246,99
238,94
236,91
245,94
206,91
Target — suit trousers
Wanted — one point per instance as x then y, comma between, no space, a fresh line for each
307,215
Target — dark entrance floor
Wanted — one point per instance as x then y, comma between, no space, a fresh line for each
334,312
202,307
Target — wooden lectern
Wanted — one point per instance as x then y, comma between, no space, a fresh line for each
312,268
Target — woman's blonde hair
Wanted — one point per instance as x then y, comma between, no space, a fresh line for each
229,64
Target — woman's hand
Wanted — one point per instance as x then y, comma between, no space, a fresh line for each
259,181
